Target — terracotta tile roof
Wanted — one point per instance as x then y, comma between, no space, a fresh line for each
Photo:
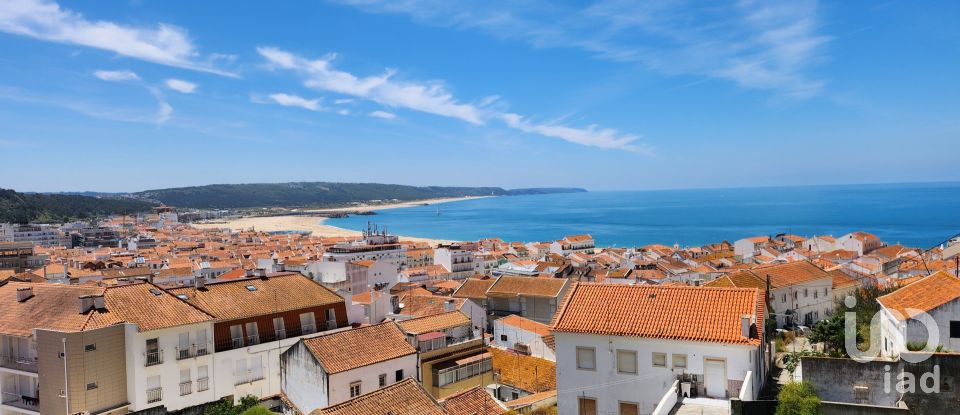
474,288
541,287
514,320
841,280
528,400
781,275
53,306
682,313
721,282
147,306
426,305
473,401
402,398
925,295
231,300
529,373
437,322
350,349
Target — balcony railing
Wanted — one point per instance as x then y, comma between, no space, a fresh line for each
153,358
154,395
271,336
202,384
26,364
29,403
248,377
186,388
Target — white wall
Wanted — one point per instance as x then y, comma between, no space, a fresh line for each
646,388
369,376
169,370
514,334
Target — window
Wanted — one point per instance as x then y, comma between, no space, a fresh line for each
954,329
806,292
90,347
629,408
398,375
627,361
91,386
503,337
586,406
816,294
354,389
783,299
659,360
383,380
680,361
586,358
279,328
514,395
307,323
253,334
236,334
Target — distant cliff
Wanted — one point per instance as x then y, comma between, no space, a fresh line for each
544,191
316,194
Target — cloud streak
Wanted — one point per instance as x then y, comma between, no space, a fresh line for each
116,76
765,46
288,100
434,98
164,44
181,86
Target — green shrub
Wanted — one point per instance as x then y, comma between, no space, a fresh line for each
798,398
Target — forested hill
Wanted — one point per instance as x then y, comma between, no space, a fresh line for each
314,194
36,207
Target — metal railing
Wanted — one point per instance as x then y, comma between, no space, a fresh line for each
153,358
202,384
186,388
248,376
21,401
253,339
154,395
24,363
270,336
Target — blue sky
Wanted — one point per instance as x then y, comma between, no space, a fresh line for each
126,96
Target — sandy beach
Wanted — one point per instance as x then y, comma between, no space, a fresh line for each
316,225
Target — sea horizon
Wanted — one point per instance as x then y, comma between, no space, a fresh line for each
914,214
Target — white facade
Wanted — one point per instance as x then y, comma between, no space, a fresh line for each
507,336
727,365
748,247
458,261
309,386
162,375
896,333
805,303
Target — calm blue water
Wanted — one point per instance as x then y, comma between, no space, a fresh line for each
913,214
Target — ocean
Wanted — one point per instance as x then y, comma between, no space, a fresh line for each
919,215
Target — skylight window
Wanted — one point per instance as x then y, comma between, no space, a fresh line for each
251,288
182,296
155,292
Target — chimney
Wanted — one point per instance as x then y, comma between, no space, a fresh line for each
24,294
199,282
99,303
745,325
449,306
86,303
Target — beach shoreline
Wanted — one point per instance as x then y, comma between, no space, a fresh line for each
317,226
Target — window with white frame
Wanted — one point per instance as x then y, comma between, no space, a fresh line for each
627,361
679,361
586,358
659,359
355,389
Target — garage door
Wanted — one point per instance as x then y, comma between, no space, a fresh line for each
715,378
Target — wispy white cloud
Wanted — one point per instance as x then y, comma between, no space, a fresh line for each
343,101
92,108
434,98
431,97
181,86
123,75
288,100
164,110
163,44
757,45
383,114
592,135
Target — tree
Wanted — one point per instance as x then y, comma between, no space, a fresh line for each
798,398
257,410
830,332
226,406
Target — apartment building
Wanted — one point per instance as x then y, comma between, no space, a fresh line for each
572,244
146,348
20,257
255,320
532,298
42,235
455,258
451,353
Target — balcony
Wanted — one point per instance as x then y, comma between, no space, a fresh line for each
21,363
25,402
203,384
186,388
153,358
248,376
154,395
